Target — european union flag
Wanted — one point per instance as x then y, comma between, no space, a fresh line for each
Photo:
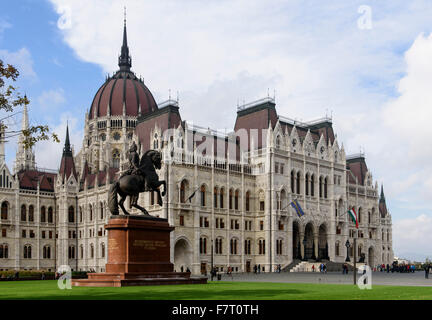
297,207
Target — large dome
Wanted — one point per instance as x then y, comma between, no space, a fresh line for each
123,91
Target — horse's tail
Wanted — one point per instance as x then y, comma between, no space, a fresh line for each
112,199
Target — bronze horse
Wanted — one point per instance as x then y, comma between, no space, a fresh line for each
145,180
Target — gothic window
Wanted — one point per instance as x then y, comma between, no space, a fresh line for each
4,210
91,251
247,247
325,187
312,185
183,187
215,196
23,213
102,137
27,251
71,252
230,199
203,245
4,251
337,249
71,214
292,181
43,214
221,198
101,210
320,187
261,247
307,183
298,182
203,196
247,201
31,213
116,158
261,201
233,246
236,200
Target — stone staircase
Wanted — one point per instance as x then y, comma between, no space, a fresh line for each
306,266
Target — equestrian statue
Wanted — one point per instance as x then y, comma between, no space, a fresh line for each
140,177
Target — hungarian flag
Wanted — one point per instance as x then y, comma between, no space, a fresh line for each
353,216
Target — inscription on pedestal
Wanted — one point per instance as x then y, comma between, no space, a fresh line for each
149,244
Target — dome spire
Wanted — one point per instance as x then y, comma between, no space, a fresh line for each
125,61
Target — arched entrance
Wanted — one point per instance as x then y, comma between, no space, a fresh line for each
371,257
308,242
182,255
322,243
296,241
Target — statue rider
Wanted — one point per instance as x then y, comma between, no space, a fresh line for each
133,161
133,169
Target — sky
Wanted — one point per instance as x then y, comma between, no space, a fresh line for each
366,63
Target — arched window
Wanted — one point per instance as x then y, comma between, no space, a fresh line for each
27,251
247,201
320,187
81,251
307,183
71,214
91,251
325,187
230,199
102,250
279,246
23,213
337,249
215,197
203,245
221,198
50,215
233,246
236,200
247,248
71,252
359,215
261,247
46,252
4,210
116,158
203,196
43,214
298,182
312,185
4,251
101,210
91,212
218,247
31,213
292,181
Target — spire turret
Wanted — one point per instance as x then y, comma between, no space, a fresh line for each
67,150
125,61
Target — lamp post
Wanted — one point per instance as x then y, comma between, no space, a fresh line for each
212,267
347,245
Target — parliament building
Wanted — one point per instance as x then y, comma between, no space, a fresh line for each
228,194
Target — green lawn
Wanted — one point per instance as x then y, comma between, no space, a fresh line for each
214,291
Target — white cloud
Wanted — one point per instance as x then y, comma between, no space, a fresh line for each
51,98
413,235
20,59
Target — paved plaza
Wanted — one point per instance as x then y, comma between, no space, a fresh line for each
378,278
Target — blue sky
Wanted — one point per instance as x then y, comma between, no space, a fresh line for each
376,82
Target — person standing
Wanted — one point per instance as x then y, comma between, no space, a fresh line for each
426,268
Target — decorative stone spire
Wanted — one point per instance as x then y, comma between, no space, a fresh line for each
67,164
382,197
25,158
125,61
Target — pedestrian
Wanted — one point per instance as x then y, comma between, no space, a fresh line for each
426,268
313,268
187,269
16,275
259,268
324,268
388,268
43,275
255,269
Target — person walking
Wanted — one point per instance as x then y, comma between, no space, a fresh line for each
259,268
313,268
426,268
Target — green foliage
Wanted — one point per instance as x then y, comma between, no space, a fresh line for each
10,99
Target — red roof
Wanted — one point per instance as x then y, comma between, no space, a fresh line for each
122,88
358,168
29,180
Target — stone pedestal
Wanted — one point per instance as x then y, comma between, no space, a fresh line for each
138,254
